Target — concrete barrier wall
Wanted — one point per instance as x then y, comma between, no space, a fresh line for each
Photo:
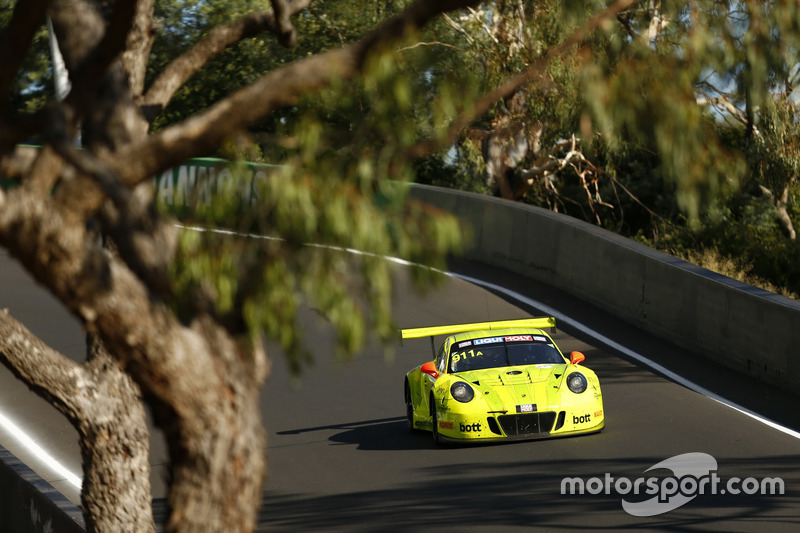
30,504
743,327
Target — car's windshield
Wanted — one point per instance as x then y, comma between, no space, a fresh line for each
502,351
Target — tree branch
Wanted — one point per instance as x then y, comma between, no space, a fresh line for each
459,29
514,83
16,164
79,27
202,133
215,42
723,103
286,34
139,43
84,162
143,242
657,21
782,214
90,46
49,374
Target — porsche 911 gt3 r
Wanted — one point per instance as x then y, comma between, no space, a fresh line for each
499,381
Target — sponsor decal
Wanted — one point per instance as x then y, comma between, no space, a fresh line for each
488,340
581,419
515,338
469,428
465,343
539,338
544,366
200,181
512,338
445,425
526,408
598,414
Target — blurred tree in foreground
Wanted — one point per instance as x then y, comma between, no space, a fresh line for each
175,318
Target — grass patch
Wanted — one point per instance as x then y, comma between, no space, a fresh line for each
735,268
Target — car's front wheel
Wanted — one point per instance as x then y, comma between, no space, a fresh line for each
434,421
409,407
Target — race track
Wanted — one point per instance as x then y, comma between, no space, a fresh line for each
341,458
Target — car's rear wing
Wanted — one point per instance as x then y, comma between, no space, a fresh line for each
415,333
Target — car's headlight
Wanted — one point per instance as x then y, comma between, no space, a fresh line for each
577,382
462,392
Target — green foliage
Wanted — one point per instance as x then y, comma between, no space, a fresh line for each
343,163
682,129
326,24
734,267
743,234
645,95
34,82
682,124
329,198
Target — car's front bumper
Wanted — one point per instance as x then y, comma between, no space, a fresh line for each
497,426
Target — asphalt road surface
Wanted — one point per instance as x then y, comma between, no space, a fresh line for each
341,458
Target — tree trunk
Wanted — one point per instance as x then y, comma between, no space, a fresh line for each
105,407
114,442
216,437
218,475
782,214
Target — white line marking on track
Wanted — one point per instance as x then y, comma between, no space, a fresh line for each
560,317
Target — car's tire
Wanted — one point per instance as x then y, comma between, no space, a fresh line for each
435,422
409,407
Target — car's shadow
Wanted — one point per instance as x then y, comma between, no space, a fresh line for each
379,434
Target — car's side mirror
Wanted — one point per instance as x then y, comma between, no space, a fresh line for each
576,358
430,369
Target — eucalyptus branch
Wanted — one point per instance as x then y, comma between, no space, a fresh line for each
215,42
723,103
287,35
456,26
479,18
533,74
84,162
16,164
142,241
284,86
51,375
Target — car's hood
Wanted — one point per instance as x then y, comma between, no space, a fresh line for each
519,388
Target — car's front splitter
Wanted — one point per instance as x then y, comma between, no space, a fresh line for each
503,438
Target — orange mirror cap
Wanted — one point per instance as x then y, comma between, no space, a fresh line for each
576,358
430,369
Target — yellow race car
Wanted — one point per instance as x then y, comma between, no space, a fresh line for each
498,381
